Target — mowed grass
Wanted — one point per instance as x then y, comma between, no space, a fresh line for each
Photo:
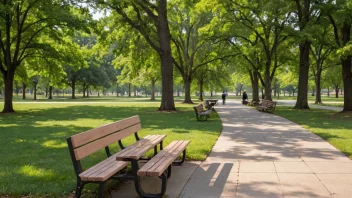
332,126
34,155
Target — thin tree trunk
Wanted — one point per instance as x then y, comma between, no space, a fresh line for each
318,88
35,91
87,91
201,90
336,91
153,90
73,89
328,91
50,92
129,89
84,90
24,86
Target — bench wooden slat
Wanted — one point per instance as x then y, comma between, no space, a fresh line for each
130,149
162,160
136,151
92,147
134,145
93,134
105,172
172,156
156,158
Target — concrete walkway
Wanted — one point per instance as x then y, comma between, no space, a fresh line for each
259,155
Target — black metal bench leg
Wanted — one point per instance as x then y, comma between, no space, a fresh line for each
138,186
101,190
79,189
178,163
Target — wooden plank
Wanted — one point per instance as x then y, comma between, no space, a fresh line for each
132,149
168,160
155,167
142,171
161,161
93,134
92,147
136,151
146,147
106,172
128,148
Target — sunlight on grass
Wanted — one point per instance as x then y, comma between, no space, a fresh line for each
35,152
29,170
54,144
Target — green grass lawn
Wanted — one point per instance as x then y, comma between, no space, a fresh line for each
34,155
332,126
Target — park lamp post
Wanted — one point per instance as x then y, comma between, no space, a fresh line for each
35,82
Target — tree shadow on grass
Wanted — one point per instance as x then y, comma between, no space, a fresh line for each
34,151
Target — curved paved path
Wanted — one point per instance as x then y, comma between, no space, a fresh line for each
262,155
259,155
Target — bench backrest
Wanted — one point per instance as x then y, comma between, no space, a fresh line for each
86,143
268,103
199,108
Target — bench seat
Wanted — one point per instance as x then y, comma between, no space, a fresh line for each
159,163
103,170
266,106
201,114
136,150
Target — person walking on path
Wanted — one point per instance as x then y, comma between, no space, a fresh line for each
223,96
244,98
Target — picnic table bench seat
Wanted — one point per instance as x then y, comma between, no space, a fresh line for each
201,114
266,106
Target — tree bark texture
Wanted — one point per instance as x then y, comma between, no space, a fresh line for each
347,70
318,88
201,83
50,92
8,80
187,86
73,86
167,98
302,95
153,90
255,86
24,86
267,81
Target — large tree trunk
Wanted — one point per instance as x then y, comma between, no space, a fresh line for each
302,95
255,86
187,85
50,92
318,88
24,86
347,70
8,80
167,98
267,81
153,90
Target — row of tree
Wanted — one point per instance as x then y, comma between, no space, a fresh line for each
201,42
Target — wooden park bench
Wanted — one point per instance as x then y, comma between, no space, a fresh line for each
201,114
84,144
266,106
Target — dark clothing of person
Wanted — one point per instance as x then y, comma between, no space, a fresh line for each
223,96
244,96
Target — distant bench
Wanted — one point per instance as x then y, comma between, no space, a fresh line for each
201,114
84,144
266,106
